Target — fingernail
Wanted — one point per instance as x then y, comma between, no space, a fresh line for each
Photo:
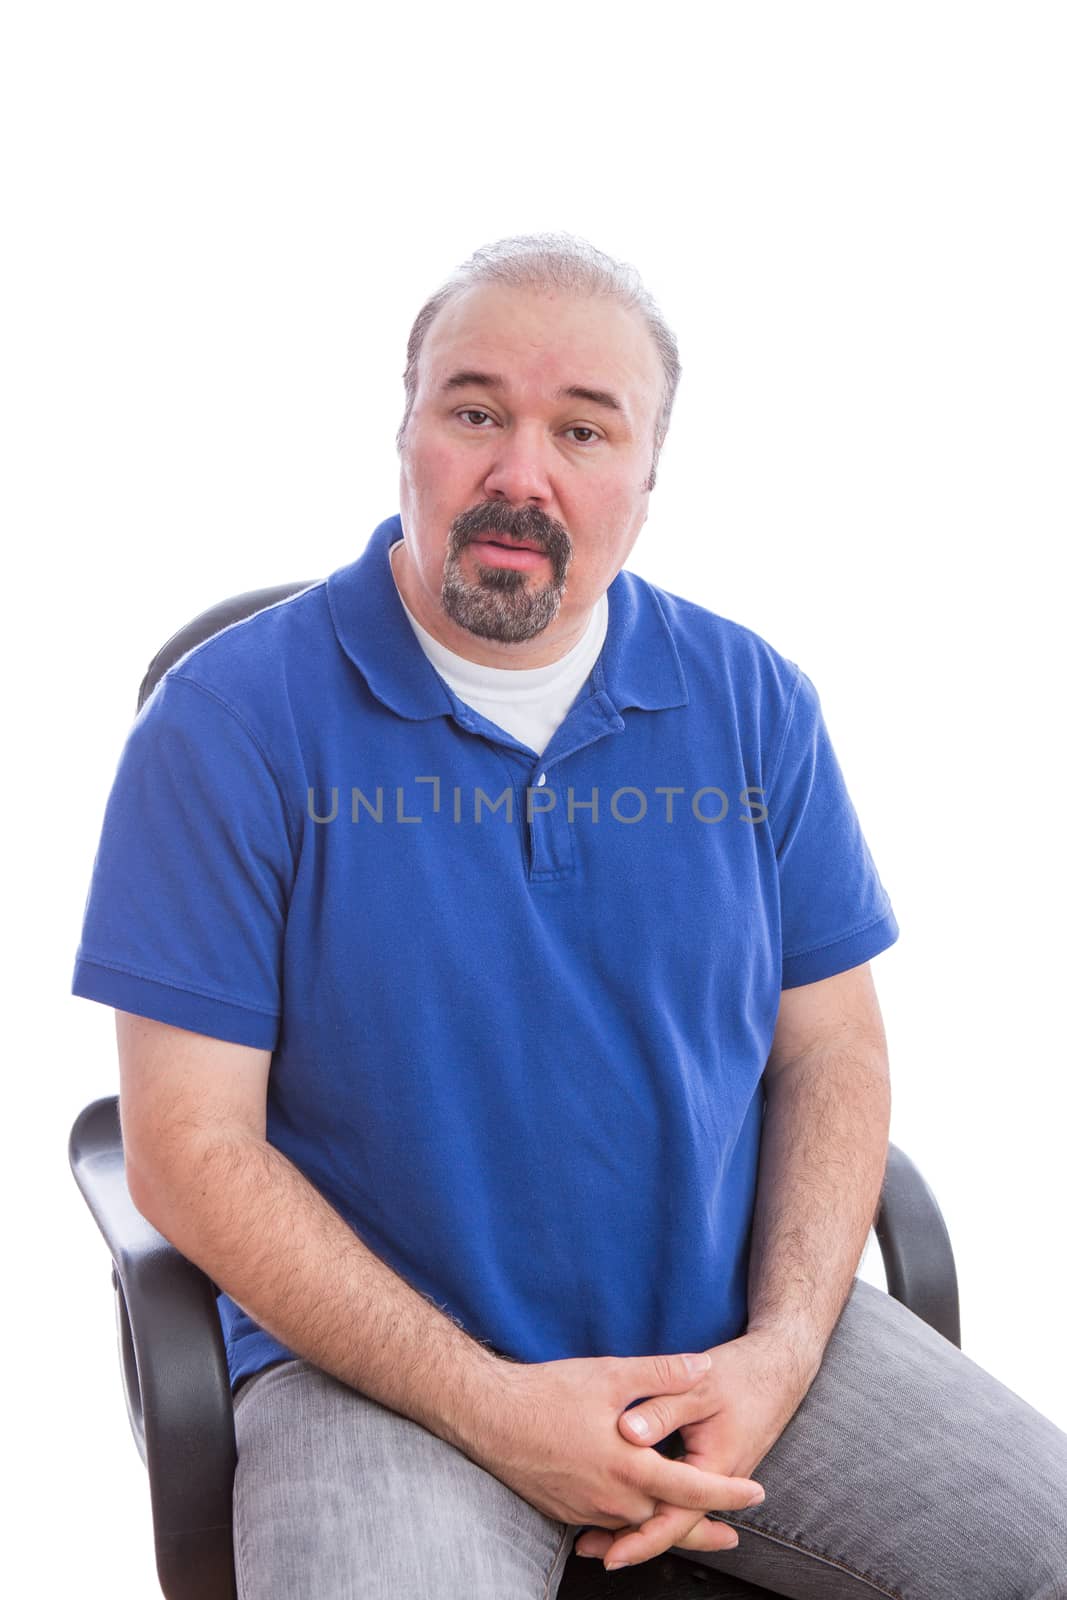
637,1423
695,1364
613,1566
758,1499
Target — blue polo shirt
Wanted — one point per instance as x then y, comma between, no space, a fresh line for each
519,1005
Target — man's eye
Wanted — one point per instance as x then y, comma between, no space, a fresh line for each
474,414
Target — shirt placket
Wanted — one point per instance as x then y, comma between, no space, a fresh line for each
546,809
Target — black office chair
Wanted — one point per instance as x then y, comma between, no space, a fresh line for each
173,1357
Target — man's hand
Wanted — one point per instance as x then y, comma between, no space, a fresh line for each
728,1421
553,1436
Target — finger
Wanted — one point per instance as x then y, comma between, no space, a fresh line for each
670,1527
652,1375
610,1545
709,1535
660,1534
703,1535
678,1484
591,1547
656,1379
595,1542
654,1418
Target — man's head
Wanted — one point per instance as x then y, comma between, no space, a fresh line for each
539,386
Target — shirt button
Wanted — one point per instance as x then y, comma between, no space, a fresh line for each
540,780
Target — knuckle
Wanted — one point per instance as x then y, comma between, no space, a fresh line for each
699,1497
633,1497
628,1511
662,1369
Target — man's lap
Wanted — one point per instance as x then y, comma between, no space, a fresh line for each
337,1497
907,1471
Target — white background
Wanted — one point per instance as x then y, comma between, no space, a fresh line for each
221,221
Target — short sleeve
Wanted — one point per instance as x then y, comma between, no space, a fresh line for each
835,914
185,917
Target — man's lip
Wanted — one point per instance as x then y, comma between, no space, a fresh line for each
509,544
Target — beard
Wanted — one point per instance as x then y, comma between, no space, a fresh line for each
501,602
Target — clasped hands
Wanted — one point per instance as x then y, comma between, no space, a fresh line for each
728,1421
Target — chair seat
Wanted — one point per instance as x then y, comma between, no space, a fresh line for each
665,1577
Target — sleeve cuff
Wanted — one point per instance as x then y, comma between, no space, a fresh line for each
145,997
851,951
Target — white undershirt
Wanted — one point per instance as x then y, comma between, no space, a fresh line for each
528,702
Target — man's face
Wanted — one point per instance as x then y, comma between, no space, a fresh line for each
520,500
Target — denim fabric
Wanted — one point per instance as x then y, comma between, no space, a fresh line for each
907,1471
338,1498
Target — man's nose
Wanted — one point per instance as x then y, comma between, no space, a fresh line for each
519,469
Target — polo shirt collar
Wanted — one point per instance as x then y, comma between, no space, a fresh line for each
638,665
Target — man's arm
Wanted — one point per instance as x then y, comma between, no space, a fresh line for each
193,1112
822,1160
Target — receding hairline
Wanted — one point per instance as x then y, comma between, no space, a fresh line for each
477,376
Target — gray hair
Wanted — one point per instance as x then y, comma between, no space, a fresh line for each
552,261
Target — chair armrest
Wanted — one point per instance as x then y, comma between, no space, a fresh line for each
174,1371
916,1250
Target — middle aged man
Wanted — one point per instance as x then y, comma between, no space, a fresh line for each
489,932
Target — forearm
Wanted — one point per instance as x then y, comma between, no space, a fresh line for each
822,1164
248,1218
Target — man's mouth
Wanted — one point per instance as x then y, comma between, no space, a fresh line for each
524,556
512,544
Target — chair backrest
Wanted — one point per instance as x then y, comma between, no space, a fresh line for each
211,622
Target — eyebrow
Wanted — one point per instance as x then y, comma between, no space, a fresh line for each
468,379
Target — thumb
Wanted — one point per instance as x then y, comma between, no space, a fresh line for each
651,1419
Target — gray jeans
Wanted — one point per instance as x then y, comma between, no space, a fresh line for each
907,1471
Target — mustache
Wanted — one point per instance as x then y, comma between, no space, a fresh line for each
526,523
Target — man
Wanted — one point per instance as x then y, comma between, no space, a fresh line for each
489,934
